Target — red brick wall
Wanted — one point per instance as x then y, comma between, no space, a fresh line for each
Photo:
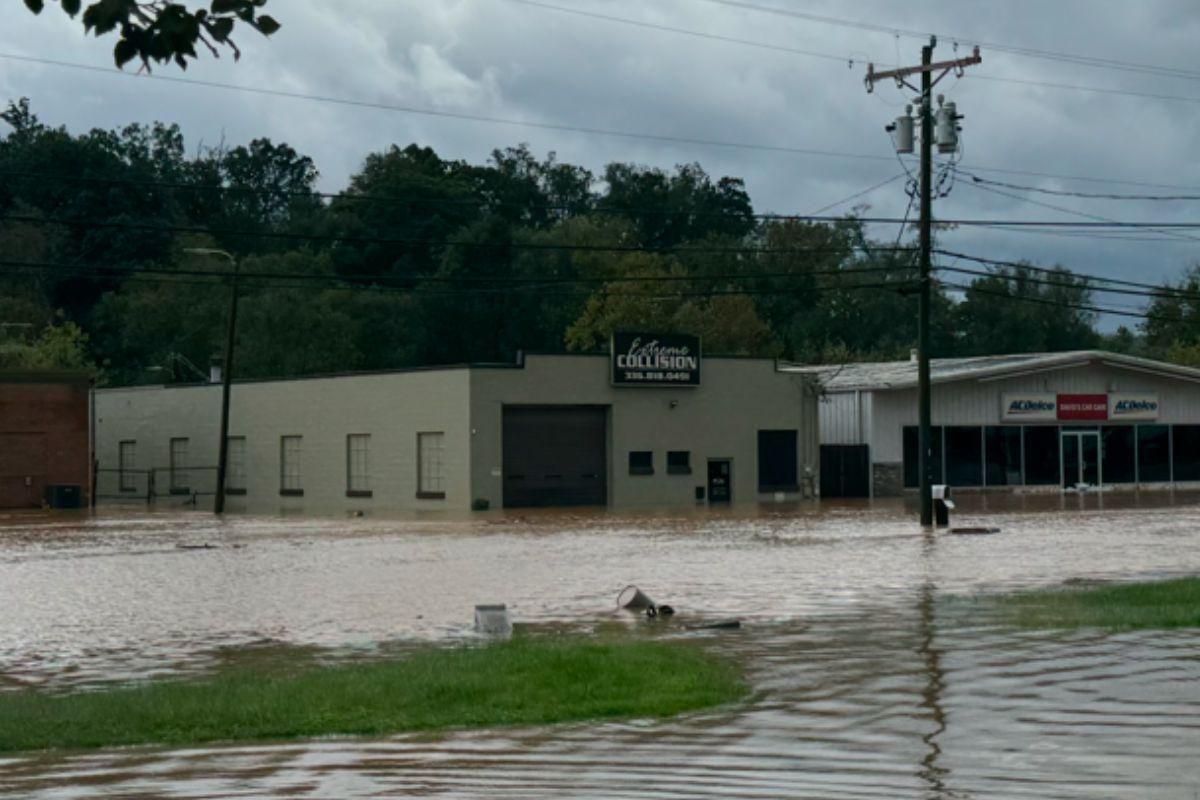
43,439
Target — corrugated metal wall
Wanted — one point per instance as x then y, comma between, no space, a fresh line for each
846,418
978,403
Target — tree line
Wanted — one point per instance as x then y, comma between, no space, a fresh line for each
424,260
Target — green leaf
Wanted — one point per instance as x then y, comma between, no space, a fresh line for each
35,6
124,52
228,6
220,28
71,6
266,25
103,17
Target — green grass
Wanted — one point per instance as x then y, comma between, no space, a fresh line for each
1138,606
527,681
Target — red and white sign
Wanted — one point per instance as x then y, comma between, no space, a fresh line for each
1090,407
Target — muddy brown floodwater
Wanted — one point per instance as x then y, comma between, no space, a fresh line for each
872,676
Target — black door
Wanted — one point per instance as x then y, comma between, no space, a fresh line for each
720,478
555,456
845,470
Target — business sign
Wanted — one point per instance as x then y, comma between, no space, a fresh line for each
1029,407
1132,406
655,359
1118,407
1083,407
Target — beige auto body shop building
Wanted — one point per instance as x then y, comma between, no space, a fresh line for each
654,424
1049,421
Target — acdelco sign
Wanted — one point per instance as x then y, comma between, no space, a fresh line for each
1029,407
1132,406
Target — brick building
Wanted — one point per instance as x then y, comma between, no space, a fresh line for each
44,436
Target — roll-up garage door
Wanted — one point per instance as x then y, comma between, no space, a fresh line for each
555,456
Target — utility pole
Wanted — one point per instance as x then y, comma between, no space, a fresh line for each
226,372
947,142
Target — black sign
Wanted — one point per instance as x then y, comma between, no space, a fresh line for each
655,359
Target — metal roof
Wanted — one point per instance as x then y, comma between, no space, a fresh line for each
903,374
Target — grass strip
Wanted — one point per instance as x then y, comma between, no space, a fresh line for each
526,681
1125,607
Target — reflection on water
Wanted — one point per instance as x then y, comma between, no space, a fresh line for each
870,679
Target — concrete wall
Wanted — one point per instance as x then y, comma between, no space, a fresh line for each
43,437
392,408
719,419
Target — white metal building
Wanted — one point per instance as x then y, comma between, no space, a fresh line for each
1069,420
551,430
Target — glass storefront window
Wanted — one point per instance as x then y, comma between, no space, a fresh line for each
1041,455
964,456
912,478
1002,447
1154,453
1186,452
1118,453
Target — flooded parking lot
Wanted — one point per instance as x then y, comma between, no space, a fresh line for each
873,674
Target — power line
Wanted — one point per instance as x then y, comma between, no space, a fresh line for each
456,115
535,285
993,262
546,246
359,239
1049,55
593,208
855,196
1085,195
1062,304
119,271
1082,283
597,207
1096,218
1093,89
550,126
685,32
1088,235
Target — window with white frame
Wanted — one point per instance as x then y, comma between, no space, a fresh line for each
358,465
431,471
291,452
180,479
235,465
126,464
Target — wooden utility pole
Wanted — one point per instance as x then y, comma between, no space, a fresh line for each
226,382
925,106
924,390
226,371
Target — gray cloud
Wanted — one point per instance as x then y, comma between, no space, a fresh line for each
504,59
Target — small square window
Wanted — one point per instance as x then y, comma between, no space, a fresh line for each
641,462
679,462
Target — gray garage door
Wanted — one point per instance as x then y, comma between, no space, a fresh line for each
555,456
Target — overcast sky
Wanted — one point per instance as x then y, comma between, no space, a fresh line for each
508,59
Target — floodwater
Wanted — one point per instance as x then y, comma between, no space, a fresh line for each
875,673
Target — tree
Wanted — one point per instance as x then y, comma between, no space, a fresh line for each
399,212
1018,310
62,346
727,323
164,31
1172,326
668,209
